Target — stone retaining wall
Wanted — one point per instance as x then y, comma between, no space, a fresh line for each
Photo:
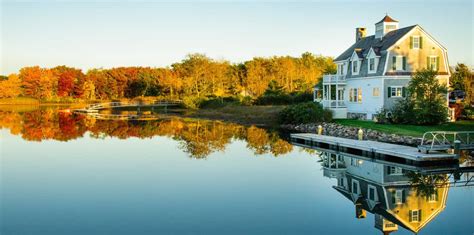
333,129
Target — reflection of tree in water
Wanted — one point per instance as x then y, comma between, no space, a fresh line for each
198,138
426,185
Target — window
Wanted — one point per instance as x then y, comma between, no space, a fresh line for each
415,43
372,193
415,215
355,95
433,197
355,187
376,91
395,91
379,29
389,28
350,95
355,67
371,64
359,95
397,196
433,62
340,69
399,63
393,170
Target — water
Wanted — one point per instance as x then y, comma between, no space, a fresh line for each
67,174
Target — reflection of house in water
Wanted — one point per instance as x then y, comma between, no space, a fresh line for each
384,191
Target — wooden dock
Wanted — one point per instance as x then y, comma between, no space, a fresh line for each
368,148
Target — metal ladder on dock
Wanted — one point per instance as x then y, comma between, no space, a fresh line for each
444,140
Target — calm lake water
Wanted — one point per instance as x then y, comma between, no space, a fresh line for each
63,173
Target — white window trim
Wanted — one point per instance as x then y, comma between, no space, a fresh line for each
375,65
399,196
340,69
378,92
396,96
358,67
354,95
432,198
376,197
358,187
399,58
417,215
431,57
413,42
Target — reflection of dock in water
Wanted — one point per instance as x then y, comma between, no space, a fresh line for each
370,149
138,117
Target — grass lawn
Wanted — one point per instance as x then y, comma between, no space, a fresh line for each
410,130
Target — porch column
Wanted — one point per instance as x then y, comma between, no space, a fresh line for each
337,95
329,91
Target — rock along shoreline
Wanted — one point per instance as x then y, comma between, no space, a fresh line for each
337,130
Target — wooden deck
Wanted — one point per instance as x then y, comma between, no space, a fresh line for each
367,147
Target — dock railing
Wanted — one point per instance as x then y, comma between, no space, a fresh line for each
444,140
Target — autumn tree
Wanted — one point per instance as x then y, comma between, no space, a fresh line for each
38,83
10,87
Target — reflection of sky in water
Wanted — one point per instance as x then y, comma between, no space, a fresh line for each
136,186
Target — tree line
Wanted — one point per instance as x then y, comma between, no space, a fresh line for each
195,77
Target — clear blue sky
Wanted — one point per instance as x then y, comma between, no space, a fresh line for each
108,33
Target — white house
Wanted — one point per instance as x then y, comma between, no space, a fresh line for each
374,72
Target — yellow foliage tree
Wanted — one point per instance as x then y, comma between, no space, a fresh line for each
11,87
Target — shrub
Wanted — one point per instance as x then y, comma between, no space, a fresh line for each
217,102
468,112
192,102
403,112
301,97
304,113
383,116
273,99
245,100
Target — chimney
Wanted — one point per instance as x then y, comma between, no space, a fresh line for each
360,33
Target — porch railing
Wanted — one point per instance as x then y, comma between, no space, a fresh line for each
333,103
334,78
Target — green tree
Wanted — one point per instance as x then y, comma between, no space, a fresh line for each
462,79
426,102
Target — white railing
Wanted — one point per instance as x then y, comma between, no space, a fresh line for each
333,103
443,140
334,78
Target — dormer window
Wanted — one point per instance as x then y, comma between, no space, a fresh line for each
372,61
355,67
371,64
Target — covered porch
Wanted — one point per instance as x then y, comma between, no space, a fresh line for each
332,95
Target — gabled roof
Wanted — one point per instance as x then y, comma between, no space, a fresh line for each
375,50
387,19
364,44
